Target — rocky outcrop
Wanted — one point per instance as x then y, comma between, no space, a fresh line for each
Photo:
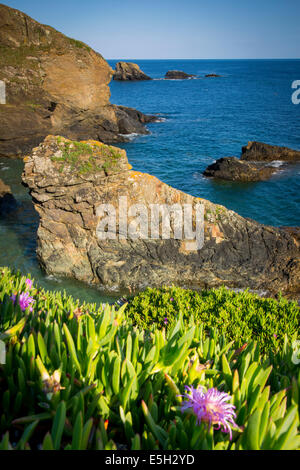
54,84
177,75
260,152
233,169
212,75
69,180
128,71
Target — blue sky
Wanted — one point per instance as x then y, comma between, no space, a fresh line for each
170,29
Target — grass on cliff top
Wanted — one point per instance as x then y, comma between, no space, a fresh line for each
79,44
83,157
80,377
18,56
241,317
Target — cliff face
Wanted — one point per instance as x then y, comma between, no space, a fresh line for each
53,84
68,181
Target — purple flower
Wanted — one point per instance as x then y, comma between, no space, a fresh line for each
29,283
25,301
166,321
275,336
171,299
211,407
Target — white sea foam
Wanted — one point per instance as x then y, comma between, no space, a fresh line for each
51,277
276,163
131,136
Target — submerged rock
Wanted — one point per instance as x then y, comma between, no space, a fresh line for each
54,84
177,75
69,180
260,152
212,75
128,71
7,200
233,169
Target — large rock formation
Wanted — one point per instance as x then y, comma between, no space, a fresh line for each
233,169
260,152
68,181
54,84
128,71
177,75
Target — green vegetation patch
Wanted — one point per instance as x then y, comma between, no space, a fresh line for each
79,44
242,317
84,377
85,157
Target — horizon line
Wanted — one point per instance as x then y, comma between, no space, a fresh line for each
178,58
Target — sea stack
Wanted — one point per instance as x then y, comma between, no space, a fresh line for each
128,71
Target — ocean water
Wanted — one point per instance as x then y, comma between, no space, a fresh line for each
210,118
203,120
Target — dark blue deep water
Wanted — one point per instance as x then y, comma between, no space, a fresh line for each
205,119
210,118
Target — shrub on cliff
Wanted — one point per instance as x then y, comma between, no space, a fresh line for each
241,317
78,377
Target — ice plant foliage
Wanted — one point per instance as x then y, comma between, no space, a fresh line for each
211,407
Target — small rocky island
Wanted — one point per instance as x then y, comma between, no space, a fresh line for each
255,163
177,75
234,169
68,180
212,75
260,152
128,71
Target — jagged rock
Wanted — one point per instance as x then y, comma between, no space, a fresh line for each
128,71
177,75
260,152
212,75
54,84
233,169
68,181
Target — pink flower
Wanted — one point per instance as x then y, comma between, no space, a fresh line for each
211,407
166,321
25,301
29,283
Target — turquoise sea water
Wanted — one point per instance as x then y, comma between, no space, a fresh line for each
204,119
